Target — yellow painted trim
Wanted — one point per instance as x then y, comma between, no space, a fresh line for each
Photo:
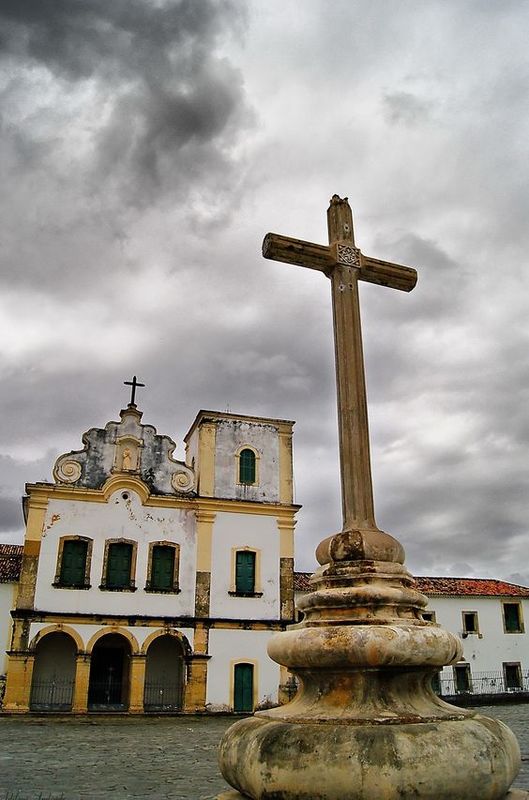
245,507
59,627
286,527
255,693
233,581
37,507
286,473
114,629
204,537
206,459
18,683
116,482
54,492
184,641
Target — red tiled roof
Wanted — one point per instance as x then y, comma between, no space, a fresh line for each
484,587
10,562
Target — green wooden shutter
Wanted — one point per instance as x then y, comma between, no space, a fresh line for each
247,466
243,687
245,572
118,565
162,569
512,617
73,562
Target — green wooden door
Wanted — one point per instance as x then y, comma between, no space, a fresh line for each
245,572
162,567
118,565
243,688
73,563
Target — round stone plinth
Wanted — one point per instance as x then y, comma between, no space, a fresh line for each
514,794
437,760
238,796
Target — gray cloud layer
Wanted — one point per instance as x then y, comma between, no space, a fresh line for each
148,146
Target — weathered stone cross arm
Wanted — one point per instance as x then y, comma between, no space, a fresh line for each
325,257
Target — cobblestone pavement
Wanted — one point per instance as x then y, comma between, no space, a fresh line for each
157,758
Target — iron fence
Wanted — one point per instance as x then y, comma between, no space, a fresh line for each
482,683
162,696
52,694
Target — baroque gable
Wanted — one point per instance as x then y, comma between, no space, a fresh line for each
130,448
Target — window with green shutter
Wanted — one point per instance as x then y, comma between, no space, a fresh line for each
119,562
247,466
243,687
162,568
512,618
73,563
245,572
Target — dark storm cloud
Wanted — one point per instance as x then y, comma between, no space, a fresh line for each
131,101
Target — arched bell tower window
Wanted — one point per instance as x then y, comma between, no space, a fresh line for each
247,466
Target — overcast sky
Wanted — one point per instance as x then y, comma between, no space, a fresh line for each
146,148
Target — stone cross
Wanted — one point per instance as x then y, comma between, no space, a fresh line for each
134,383
345,265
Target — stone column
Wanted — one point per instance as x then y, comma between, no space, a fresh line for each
137,682
195,688
18,684
82,678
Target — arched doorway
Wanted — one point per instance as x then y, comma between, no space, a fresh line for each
53,673
164,675
109,685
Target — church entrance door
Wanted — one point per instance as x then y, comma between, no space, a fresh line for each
164,675
108,689
53,673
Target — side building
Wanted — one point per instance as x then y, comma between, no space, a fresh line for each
10,561
151,584
490,617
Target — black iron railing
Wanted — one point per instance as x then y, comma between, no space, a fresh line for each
161,696
482,683
52,694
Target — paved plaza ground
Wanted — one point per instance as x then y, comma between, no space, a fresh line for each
61,758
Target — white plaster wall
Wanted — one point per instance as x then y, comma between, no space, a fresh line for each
488,653
230,437
238,531
86,632
229,646
115,519
7,602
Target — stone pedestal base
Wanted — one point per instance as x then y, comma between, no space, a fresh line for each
238,796
514,794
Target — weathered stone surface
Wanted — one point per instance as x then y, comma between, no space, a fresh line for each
263,758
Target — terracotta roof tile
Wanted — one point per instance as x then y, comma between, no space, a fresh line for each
10,562
484,587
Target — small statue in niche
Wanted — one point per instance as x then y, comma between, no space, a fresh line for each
126,463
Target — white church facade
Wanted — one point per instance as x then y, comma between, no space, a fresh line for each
150,584
147,584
